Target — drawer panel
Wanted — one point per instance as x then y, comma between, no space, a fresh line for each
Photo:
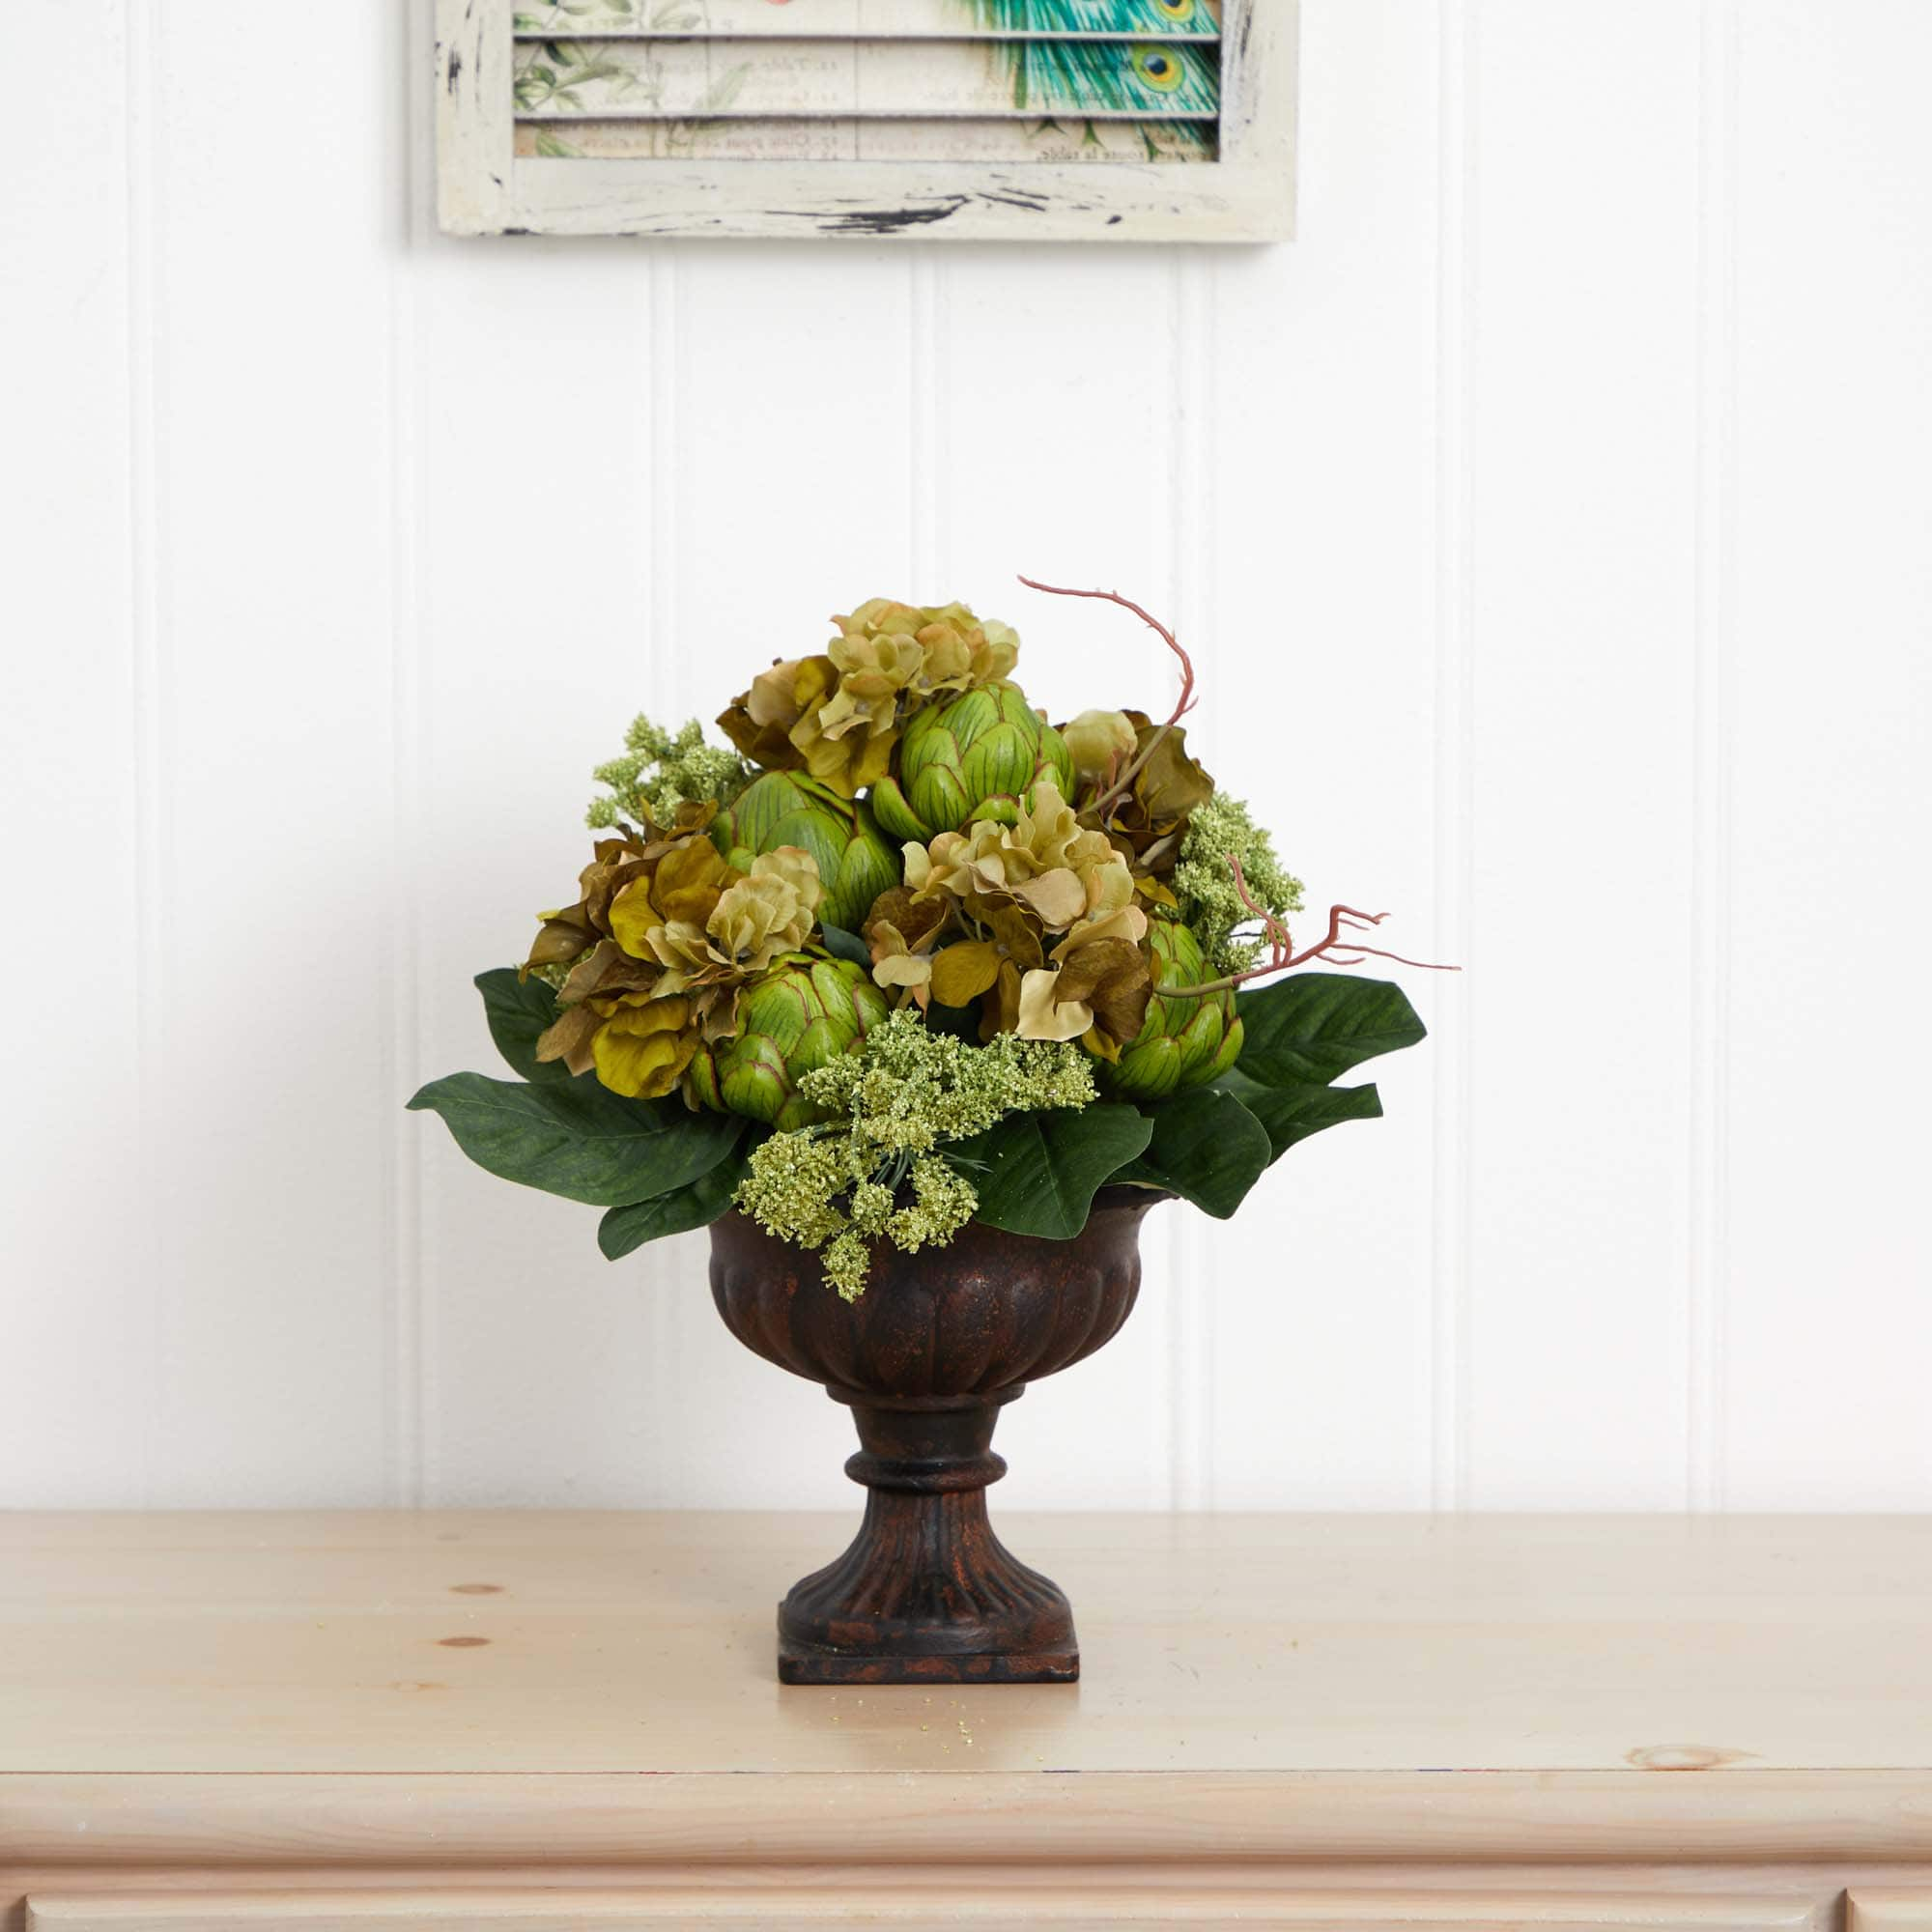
912,1909
1888,1911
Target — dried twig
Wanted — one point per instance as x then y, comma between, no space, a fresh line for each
1119,789
1344,926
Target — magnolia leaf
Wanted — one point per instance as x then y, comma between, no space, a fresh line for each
962,972
1291,1114
695,1204
843,944
519,1012
580,1141
1306,1029
1037,1173
961,1022
1207,1148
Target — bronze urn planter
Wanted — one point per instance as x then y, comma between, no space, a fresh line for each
925,1359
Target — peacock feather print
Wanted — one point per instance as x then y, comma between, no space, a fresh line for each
1136,78
1118,78
1132,17
1169,85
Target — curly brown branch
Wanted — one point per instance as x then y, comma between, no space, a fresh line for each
1345,929
1119,787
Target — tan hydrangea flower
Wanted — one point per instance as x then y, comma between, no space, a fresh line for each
847,740
771,910
1044,1015
761,722
683,879
896,967
1064,871
1097,989
767,913
1126,922
1097,739
642,1051
963,652
902,931
873,672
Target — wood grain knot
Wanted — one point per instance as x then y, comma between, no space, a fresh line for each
1682,1757
463,1643
475,1589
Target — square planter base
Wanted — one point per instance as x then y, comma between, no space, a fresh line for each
1055,1663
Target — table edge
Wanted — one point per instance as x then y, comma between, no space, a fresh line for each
225,1819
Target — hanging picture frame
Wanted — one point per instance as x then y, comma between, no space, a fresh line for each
931,119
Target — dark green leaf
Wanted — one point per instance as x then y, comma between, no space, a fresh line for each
518,1013
1291,1114
1306,1029
843,944
1038,1172
1207,1148
961,1022
581,1141
697,1205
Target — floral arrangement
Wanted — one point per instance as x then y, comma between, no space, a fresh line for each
907,956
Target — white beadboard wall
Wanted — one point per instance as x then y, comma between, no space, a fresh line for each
1554,523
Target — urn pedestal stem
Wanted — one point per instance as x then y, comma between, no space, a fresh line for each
925,1359
927,1593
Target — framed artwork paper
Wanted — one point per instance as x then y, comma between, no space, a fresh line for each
936,120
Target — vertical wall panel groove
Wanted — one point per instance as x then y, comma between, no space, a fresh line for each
926,481
1582,584
1317,603
270,331
664,1275
77,783
402,1067
1180,1364
1712,797
1458,24
144,191
1192,1305
1828,1256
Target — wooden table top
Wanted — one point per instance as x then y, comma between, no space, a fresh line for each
1344,1661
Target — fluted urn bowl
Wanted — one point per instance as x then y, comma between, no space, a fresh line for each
926,1359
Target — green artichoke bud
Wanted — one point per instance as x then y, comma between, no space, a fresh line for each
854,864
1182,1042
798,1018
974,758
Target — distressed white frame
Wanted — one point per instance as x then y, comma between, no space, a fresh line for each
1247,195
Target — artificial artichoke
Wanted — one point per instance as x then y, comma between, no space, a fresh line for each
855,862
1182,1042
798,1018
975,757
